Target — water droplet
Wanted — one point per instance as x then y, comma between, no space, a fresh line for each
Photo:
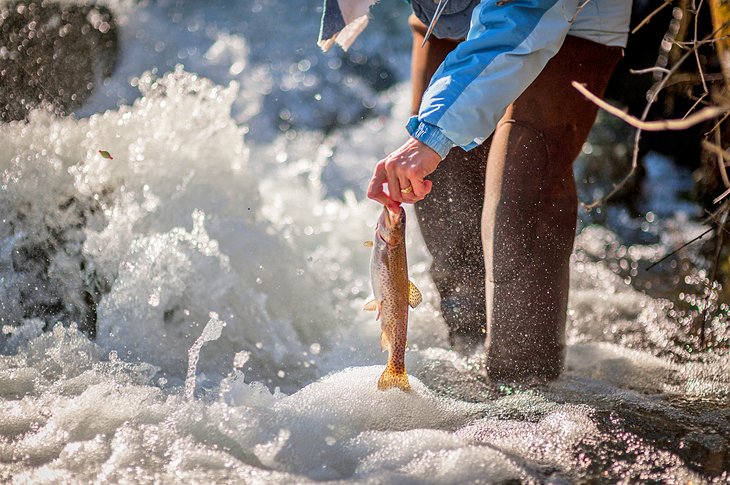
240,359
154,299
236,68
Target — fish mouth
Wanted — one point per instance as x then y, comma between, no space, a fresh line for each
389,224
393,219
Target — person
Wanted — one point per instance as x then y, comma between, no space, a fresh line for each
496,126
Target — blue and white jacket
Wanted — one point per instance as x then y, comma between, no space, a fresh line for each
508,44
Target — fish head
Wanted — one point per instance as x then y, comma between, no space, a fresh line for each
391,227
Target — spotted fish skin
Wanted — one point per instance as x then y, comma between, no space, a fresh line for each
389,278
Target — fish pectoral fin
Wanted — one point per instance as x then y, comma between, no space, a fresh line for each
414,295
368,244
384,342
371,306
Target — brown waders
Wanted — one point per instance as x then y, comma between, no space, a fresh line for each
524,209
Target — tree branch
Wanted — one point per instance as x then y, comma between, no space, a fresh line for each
651,15
659,125
652,95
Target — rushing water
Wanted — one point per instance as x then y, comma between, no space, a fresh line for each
219,255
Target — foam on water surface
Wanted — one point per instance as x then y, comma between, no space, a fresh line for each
206,215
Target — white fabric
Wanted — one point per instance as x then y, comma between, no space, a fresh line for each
603,21
346,36
353,10
355,14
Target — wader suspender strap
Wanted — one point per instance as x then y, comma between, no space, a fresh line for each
436,16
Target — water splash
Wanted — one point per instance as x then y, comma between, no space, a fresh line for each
194,215
211,332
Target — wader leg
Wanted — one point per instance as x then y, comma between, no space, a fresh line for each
530,208
450,216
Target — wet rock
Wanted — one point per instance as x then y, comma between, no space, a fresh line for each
52,55
706,451
46,274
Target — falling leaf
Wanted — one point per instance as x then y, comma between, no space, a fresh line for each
106,154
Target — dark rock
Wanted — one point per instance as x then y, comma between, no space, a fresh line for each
52,55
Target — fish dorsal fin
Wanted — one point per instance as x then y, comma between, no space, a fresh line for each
368,244
384,342
414,295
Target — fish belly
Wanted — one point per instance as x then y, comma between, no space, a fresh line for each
394,326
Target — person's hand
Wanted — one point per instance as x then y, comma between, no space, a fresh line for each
403,171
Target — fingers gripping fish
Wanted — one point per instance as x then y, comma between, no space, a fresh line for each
393,294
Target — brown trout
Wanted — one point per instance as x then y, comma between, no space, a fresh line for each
393,293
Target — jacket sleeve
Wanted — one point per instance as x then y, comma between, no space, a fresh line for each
508,45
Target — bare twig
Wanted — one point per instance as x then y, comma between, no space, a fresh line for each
697,52
675,30
679,248
716,217
716,149
659,125
721,159
691,78
692,108
715,263
663,70
652,95
721,196
717,125
648,18
689,43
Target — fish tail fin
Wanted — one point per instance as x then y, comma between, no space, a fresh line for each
392,378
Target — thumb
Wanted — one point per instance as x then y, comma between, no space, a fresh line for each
427,185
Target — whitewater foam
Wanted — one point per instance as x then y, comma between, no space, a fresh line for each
199,213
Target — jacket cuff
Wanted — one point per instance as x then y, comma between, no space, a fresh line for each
430,135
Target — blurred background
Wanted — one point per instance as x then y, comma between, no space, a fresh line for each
234,197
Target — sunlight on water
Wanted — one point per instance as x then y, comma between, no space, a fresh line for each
199,220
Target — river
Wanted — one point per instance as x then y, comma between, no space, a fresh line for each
233,203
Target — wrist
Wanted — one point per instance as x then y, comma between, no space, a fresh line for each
430,135
424,150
